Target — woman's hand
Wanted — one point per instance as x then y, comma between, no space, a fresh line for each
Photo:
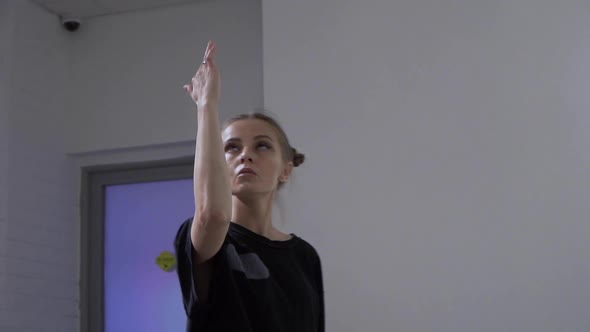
205,87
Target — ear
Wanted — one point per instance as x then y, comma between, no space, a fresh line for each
287,170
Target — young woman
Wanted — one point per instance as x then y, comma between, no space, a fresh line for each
237,271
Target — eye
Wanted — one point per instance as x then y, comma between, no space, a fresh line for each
264,145
231,147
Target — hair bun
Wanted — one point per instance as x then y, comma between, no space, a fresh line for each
298,158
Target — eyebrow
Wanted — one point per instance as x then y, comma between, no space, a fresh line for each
235,139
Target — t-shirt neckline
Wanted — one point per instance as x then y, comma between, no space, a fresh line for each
262,239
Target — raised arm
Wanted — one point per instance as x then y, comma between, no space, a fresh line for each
212,187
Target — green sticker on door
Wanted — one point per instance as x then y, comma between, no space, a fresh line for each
166,261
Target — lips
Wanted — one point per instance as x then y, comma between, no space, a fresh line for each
246,170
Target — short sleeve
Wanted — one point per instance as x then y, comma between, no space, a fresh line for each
314,266
184,264
320,283
185,268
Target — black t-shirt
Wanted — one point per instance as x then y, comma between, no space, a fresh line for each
257,284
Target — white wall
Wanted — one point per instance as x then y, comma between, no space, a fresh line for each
128,72
448,174
6,27
39,288
6,36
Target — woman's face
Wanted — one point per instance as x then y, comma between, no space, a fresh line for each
253,154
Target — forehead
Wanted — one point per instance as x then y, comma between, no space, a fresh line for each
248,129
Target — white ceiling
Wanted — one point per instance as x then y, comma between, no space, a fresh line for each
90,8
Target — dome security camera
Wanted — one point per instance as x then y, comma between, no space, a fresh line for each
71,24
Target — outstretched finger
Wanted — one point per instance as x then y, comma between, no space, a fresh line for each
213,53
207,51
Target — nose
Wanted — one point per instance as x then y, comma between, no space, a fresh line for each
246,155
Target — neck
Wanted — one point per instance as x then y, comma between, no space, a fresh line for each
254,213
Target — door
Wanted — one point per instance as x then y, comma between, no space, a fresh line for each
140,222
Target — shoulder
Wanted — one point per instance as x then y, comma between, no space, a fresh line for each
307,249
311,262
